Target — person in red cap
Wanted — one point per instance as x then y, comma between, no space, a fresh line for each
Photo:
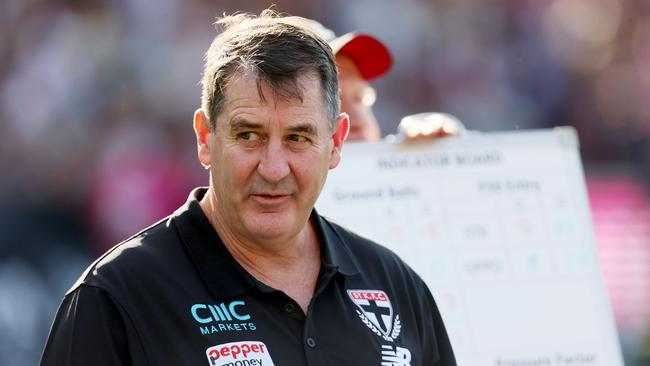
362,58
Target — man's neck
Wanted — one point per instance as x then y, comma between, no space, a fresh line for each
291,266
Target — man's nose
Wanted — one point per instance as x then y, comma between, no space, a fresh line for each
274,162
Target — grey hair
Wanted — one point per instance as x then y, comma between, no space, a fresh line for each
277,49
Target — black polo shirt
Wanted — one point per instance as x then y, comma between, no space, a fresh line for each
173,295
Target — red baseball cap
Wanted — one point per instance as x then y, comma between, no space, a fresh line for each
370,55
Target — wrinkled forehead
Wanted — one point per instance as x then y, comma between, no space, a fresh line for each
247,106
248,83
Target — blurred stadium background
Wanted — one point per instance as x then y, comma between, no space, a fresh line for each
96,99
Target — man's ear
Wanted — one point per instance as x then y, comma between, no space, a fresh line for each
202,131
341,129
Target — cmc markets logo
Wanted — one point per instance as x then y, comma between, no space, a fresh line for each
223,317
247,353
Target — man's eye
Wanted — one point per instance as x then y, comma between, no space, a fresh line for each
298,142
249,136
298,138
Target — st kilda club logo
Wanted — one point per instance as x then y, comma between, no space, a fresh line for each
376,312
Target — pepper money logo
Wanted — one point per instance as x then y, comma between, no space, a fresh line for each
376,312
222,317
247,353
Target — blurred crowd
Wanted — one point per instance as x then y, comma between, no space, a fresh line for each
96,100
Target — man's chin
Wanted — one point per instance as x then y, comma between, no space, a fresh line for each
271,226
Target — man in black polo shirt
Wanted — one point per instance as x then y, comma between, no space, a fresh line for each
246,272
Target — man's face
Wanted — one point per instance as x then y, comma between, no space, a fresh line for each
269,159
357,98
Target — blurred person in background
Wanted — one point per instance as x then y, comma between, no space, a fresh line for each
361,58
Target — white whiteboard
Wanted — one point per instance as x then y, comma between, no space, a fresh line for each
498,226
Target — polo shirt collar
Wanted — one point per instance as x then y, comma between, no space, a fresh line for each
221,272
335,253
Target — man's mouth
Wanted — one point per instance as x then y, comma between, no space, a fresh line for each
270,198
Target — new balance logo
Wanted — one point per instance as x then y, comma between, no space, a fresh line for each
395,356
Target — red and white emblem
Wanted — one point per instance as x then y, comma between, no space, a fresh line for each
376,312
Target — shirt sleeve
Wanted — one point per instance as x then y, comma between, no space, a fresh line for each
90,329
442,354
